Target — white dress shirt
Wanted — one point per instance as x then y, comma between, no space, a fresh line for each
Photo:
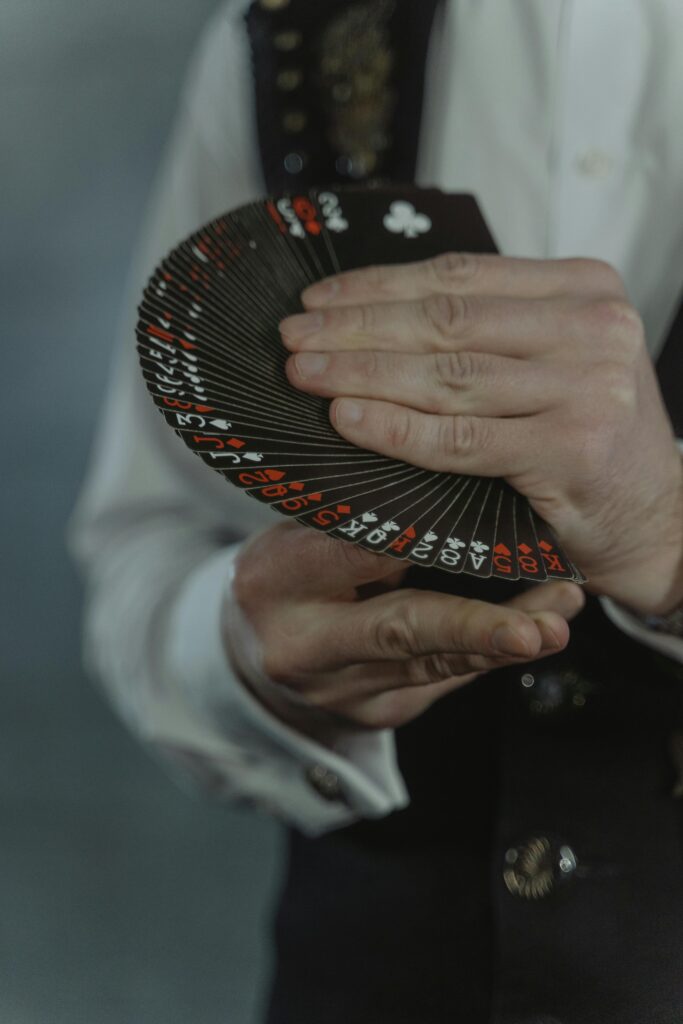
564,118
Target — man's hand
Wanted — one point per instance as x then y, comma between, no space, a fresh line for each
334,629
536,371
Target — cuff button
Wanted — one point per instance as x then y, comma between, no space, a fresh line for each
325,782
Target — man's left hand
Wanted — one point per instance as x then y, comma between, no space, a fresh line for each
535,371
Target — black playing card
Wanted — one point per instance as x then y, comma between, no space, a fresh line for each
211,356
404,224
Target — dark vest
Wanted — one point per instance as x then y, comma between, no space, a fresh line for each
537,875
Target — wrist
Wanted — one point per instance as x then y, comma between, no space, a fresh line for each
651,584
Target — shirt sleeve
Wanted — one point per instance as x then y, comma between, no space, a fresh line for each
156,533
635,627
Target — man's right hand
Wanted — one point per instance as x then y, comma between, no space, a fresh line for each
335,630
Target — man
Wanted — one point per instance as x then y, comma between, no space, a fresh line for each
532,870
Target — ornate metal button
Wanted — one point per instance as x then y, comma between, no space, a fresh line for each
288,40
289,79
554,693
294,121
533,869
325,782
358,95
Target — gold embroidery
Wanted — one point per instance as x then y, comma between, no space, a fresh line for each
355,66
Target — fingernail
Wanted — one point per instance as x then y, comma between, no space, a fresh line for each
321,293
311,364
506,640
348,413
300,325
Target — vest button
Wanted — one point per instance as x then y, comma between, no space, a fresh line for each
533,869
287,41
294,121
294,163
289,79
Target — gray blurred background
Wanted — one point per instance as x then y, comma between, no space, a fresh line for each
122,901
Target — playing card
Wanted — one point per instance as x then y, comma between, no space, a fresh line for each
557,564
529,557
402,224
213,361
505,563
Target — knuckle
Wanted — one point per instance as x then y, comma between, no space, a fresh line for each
448,315
461,435
366,318
453,268
395,631
433,668
454,371
619,323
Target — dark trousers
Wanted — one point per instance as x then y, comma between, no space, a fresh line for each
408,920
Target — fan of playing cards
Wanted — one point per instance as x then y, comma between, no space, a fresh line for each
213,360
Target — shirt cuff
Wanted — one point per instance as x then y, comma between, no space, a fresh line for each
240,748
627,622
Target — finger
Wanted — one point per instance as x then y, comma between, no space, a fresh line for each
409,624
462,443
559,596
465,273
435,673
444,383
508,326
392,707
291,559
389,694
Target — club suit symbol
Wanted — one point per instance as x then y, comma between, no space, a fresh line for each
403,219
